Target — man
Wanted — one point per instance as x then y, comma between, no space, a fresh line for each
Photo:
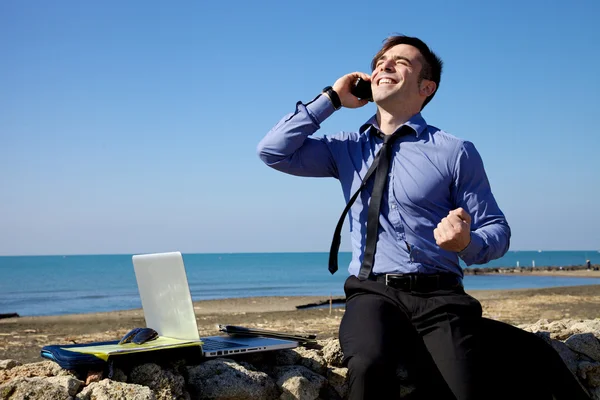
405,301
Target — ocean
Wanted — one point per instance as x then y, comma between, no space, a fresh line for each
54,285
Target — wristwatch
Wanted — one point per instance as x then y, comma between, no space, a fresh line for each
333,96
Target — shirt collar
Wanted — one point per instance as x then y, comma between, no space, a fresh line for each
417,122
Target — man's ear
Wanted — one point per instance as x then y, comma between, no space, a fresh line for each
427,87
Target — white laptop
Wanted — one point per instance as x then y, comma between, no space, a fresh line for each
168,308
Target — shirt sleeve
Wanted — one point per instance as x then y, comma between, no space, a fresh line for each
288,146
490,233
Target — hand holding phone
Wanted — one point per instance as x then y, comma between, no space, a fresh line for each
345,86
362,89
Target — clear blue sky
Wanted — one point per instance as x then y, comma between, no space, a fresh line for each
131,126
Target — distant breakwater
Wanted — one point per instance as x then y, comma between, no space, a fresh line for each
517,270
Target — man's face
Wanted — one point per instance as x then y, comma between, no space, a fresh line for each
396,76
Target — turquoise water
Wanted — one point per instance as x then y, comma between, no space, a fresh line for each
51,285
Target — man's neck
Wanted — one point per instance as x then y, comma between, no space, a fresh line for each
389,123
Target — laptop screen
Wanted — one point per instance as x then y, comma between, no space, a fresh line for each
165,295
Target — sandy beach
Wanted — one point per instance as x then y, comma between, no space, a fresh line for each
22,338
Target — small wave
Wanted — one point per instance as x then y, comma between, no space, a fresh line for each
242,289
93,297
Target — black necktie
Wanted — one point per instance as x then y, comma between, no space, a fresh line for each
381,164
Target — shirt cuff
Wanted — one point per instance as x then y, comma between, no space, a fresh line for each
320,108
469,254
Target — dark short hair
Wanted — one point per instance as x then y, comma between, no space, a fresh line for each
432,64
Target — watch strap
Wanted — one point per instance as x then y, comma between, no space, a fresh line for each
333,96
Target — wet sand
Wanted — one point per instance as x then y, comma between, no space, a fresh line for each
22,338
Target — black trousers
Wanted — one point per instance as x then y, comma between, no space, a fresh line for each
432,336
440,342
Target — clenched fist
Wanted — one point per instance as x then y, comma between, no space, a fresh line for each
453,233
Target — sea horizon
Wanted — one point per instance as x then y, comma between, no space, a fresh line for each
69,284
257,252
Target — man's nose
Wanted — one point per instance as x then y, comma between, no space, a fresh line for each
387,66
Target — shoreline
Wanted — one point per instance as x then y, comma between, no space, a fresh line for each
284,303
269,304
22,338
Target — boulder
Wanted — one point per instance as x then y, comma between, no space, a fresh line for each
589,372
569,356
8,364
312,359
586,344
68,382
36,387
166,385
110,390
43,368
332,353
337,380
300,373
298,382
224,379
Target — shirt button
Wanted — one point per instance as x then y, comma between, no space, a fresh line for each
394,206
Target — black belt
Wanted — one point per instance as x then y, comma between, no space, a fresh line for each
419,282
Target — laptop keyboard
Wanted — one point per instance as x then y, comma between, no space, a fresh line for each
211,345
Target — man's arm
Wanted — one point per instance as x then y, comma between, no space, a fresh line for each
490,233
477,229
288,147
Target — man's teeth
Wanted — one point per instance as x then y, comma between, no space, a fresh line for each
385,80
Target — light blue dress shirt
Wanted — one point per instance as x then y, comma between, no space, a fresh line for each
432,172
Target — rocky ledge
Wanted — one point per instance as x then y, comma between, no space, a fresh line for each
302,373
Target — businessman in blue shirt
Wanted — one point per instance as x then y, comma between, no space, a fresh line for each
407,306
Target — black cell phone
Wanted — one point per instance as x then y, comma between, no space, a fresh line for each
362,89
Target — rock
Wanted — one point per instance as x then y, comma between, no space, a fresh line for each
337,379
286,357
590,373
68,382
43,368
558,329
587,326
595,393
568,356
265,361
300,373
544,335
311,359
332,353
585,343
118,375
564,328
35,388
109,390
94,376
164,383
8,364
223,379
299,383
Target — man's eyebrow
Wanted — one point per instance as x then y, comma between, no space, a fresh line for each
402,58
396,57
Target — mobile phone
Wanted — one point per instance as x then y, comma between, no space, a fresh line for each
362,89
